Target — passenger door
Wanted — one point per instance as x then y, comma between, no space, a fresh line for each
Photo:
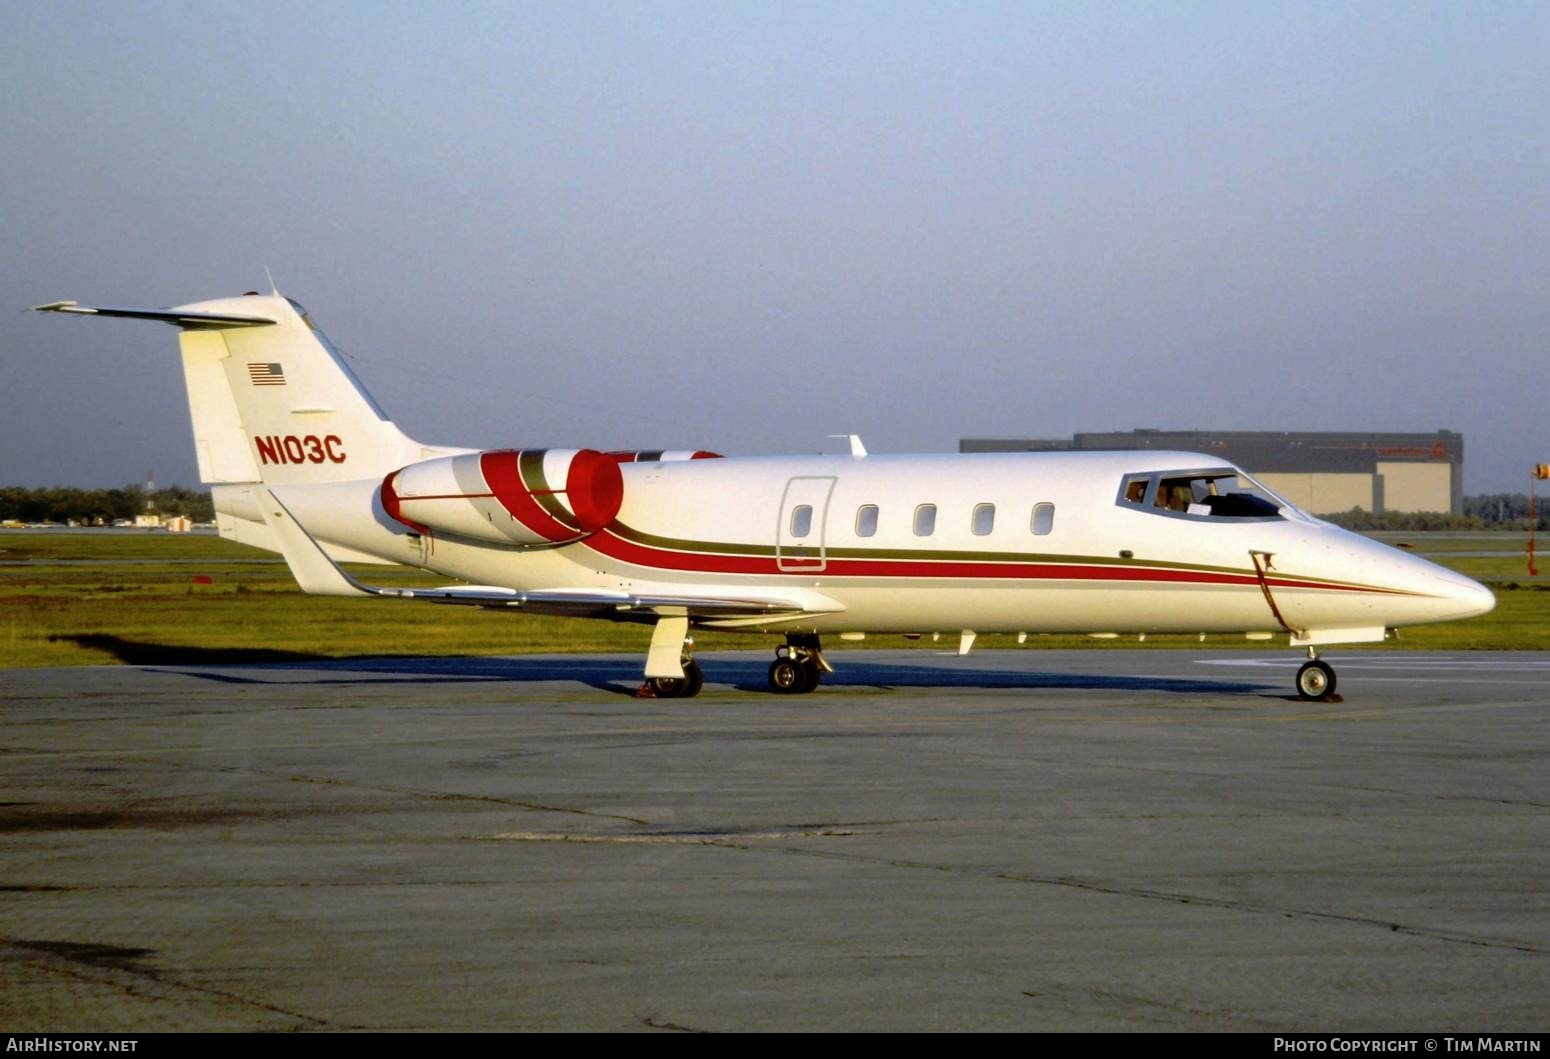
799,537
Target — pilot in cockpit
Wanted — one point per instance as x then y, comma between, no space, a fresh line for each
1175,496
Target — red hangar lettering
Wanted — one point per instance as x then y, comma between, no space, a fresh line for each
292,449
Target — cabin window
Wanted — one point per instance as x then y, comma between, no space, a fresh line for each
1043,519
866,520
925,520
984,519
801,520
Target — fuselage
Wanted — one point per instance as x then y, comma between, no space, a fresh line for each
1016,542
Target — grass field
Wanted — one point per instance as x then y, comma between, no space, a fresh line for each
131,596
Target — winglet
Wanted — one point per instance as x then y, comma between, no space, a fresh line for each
314,571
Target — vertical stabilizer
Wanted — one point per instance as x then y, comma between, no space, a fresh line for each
271,399
299,412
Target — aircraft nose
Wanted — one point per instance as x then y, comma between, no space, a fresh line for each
1466,597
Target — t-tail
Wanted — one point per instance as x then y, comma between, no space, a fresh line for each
271,399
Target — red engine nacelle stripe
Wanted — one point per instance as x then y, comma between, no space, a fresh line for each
502,473
594,491
394,508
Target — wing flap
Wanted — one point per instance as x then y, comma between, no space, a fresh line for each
618,606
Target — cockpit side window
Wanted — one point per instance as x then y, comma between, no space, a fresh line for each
1175,494
1216,493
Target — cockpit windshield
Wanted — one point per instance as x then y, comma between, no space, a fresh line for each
1218,492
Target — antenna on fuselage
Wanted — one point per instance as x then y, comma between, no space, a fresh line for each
857,450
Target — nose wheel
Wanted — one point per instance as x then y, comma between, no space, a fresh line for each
1315,680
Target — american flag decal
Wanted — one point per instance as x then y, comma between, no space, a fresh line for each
266,375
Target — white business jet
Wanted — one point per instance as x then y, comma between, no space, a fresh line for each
305,463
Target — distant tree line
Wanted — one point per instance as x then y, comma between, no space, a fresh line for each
100,506
1497,511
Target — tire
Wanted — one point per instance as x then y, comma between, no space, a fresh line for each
696,678
786,677
811,674
684,687
1315,681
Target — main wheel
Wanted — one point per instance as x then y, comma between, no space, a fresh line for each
811,674
1315,680
787,677
695,676
684,687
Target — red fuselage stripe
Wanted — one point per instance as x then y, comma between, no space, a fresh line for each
616,547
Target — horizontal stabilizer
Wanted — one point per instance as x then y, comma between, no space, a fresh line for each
166,316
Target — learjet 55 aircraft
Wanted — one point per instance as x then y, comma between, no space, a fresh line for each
305,463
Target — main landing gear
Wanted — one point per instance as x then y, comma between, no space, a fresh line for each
671,671
684,687
1315,680
799,665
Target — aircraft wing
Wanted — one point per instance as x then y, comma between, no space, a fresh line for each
318,574
602,603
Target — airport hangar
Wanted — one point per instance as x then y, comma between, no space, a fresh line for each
1323,473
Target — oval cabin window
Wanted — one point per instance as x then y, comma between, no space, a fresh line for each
866,520
1043,519
801,520
984,519
925,520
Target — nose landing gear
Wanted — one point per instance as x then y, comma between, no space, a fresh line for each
1315,680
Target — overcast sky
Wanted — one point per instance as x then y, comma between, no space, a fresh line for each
744,227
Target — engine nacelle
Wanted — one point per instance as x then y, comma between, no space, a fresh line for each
531,497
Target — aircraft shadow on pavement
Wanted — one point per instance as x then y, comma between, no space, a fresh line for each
613,675
137,653
886,675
